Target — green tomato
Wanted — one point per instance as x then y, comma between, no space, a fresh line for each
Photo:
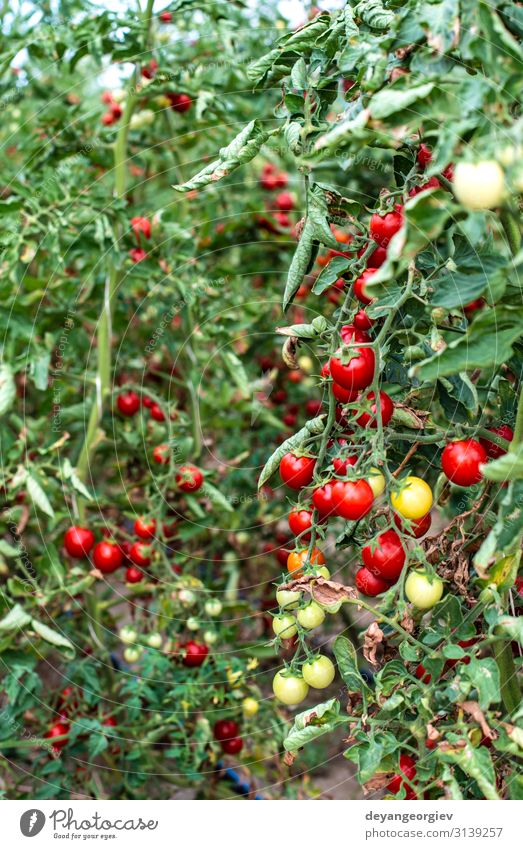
311,616
288,599
479,185
155,641
250,706
128,634
187,597
132,654
322,572
210,637
284,626
318,672
213,607
289,689
192,623
423,593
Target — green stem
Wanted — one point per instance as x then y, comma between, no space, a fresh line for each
510,692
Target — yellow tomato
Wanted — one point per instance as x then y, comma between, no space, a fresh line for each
250,706
414,500
376,481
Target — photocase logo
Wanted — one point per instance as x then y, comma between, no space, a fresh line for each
32,822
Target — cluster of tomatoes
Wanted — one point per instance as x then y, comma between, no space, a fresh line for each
141,228
283,203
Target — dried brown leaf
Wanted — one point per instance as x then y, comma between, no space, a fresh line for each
478,716
321,590
373,644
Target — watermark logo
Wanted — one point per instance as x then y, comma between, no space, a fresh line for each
32,822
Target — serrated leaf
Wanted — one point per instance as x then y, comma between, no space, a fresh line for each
484,675
299,264
38,496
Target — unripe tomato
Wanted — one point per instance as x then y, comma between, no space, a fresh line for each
296,472
210,637
419,527
128,635
352,499
358,373
192,623
359,287
284,626
385,556
250,706
194,653
161,454
132,654
383,227
322,499
369,584
133,575
225,729
288,599
414,500
107,557
318,672
311,616
462,461
369,419
423,593
289,689
189,478
494,451
154,641
78,541
479,185
213,607
407,770
140,554
376,481
300,521
232,746
145,529
296,559
321,571
128,403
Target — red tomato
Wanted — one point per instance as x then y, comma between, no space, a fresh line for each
57,729
358,372
165,17
189,478
194,653
385,556
359,286
424,156
350,333
419,527
295,376
225,729
289,419
312,407
322,499
147,402
138,254
133,575
139,224
377,257
145,529
128,403
157,413
422,674
233,746
341,465
180,102
494,451
300,521
387,409
352,499
408,770
140,554
433,183
344,396
107,557
461,461
284,202
78,541
369,584
296,472
473,306
383,227
362,321
161,454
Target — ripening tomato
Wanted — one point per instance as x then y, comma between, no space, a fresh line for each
189,478
161,454
322,499
284,626
318,672
107,557
376,481
140,554
232,746
414,499
352,499
362,321
385,556
58,729
250,706
289,689
225,729
142,225
194,653
370,419
145,529
356,373
370,584
299,522
479,185
133,575
296,559
419,527
462,461
407,768
494,451
295,471
383,227
421,591
311,616
359,286
78,541
128,403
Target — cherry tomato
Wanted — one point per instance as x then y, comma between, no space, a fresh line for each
284,626
383,227
300,521
232,746
344,396
296,559
284,202
289,689
133,575
288,599
352,499
194,653
322,499
385,556
180,102
161,454
370,584
359,286
419,527
311,616
376,481
58,729
407,770
341,464
414,500
473,306
462,460
318,672
422,674
250,706
189,478
369,419
139,224
494,451
350,333
296,472
128,403
362,321
140,554
225,729
424,156
157,413
479,185
356,373
377,257
107,557
423,593
145,529
78,541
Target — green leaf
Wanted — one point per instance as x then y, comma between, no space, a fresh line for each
507,529
7,388
69,474
465,279
330,273
477,764
484,675
508,467
38,496
373,13
39,369
300,263
395,98
16,618
512,626
311,724
8,550
347,661
53,637
216,497
311,428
